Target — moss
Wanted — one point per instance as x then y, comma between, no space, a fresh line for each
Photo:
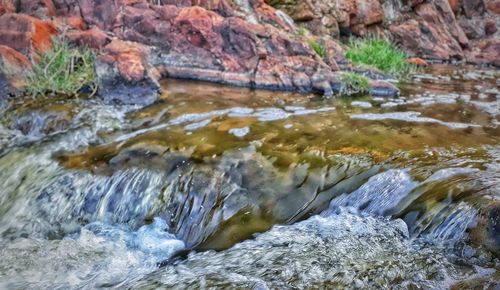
318,48
62,70
353,83
380,54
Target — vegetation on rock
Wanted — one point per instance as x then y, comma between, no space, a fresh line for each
318,48
63,69
380,54
353,83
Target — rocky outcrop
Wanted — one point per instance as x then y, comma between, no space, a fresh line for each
12,65
26,34
139,41
126,75
437,30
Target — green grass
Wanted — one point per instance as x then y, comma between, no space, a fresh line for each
380,54
318,48
62,70
353,83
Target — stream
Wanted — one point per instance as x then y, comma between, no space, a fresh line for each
231,188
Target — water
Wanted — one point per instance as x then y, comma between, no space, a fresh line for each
224,187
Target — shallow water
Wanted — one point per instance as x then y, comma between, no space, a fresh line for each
368,192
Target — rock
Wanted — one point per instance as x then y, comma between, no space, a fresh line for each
473,7
368,13
473,28
125,74
417,61
70,22
383,89
13,68
93,38
486,51
454,5
26,34
40,124
427,40
490,28
37,8
7,6
493,6
100,13
487,230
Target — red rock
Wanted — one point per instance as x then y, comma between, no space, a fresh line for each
454,5
417,61
13,68
434,33
125,73
167,12
493,6
7,6
267,14
37,8
368,12
486,51
100,13
490,27
92,38
195,27
25,33
129,57
220,6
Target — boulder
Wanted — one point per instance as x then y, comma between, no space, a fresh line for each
26,34
125,74
92,38
37,8
486,232
13,68
493,6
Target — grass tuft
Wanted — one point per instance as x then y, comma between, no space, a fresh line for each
353,83
63,70
380,54
318,48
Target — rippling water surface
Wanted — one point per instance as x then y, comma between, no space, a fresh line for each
223,187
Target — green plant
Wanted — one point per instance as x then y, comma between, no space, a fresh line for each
380,54
318,48
302,31
62,70
353,83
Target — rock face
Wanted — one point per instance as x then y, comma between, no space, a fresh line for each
12,65
437,30
125,75
26,34
250,44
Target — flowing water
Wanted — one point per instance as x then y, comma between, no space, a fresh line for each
219,187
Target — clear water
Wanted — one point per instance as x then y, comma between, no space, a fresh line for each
223,187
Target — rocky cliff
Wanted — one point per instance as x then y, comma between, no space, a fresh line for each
448,30
138,41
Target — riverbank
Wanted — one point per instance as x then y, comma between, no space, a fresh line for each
243,44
